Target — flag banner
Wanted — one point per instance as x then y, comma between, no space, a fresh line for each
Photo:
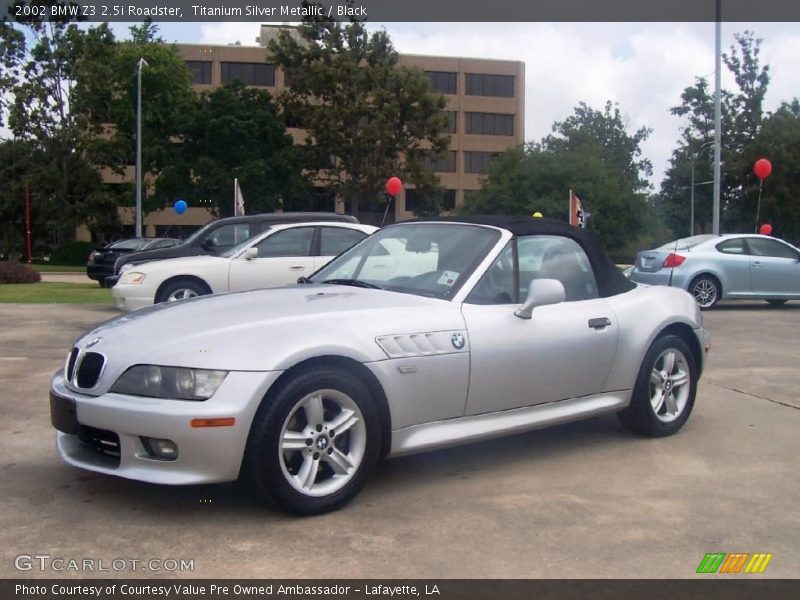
238,200
577,216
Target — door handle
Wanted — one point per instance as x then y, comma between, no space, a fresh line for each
599,323
756,263
296,267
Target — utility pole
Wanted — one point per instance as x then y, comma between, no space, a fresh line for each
717,118
142,63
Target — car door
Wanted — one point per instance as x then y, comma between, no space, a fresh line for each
733,265
335,240
282,257
564,351
774,268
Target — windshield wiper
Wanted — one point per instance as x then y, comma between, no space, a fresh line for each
354,283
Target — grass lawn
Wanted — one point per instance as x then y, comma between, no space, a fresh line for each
54,293
45,268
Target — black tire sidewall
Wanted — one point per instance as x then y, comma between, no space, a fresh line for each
711,280
262,463
178,284
640,416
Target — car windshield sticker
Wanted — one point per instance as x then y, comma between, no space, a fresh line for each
448,278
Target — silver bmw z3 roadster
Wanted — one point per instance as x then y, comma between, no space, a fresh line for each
427,334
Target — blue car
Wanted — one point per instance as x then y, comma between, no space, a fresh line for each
715,267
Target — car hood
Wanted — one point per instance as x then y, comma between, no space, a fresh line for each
142,256
265,330
187,263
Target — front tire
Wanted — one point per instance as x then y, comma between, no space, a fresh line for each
314,441
180,289
665,389
706,291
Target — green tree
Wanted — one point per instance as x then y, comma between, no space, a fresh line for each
39,70
234,131
742,118
779,141
367,118
590,152
106,104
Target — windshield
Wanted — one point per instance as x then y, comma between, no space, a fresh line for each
427,259
199,233
132,244
231,252
688,243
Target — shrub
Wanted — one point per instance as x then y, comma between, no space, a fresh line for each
72,253
14,272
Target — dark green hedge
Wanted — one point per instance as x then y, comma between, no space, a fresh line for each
72,253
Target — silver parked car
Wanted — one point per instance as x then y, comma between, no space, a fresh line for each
713,267
427,334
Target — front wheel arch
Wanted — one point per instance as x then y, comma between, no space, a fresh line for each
358,370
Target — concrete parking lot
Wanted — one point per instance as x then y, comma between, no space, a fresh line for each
582,500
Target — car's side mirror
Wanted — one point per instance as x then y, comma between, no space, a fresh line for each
250,253
541,292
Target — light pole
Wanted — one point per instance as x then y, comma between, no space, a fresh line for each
694,156
142,63
717,116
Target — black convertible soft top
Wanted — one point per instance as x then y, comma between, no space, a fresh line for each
610,280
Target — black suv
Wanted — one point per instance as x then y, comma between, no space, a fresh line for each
220,235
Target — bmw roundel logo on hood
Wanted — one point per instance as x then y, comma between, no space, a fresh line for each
458,340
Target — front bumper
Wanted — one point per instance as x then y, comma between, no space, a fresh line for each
131,297
104,433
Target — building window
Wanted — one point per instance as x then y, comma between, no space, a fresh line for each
489,123
490,85
413,197
443,163
449,200
443,82
452,121
260,74
478,162
199,70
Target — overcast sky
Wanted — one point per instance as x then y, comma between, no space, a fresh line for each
642,66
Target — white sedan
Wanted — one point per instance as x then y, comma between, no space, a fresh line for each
277,257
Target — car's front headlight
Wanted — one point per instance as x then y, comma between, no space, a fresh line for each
134,277
175,383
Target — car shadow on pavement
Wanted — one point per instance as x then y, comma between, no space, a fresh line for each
408,476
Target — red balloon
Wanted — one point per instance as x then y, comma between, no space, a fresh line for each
762,168
766,229
393,186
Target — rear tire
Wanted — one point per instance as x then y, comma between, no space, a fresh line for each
706,291
314,441
665,389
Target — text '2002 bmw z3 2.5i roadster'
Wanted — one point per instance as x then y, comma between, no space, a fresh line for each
427,334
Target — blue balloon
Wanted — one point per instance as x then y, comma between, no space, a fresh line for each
180,206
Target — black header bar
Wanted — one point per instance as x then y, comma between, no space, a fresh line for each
411,10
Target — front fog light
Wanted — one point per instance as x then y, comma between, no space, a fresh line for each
160,449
